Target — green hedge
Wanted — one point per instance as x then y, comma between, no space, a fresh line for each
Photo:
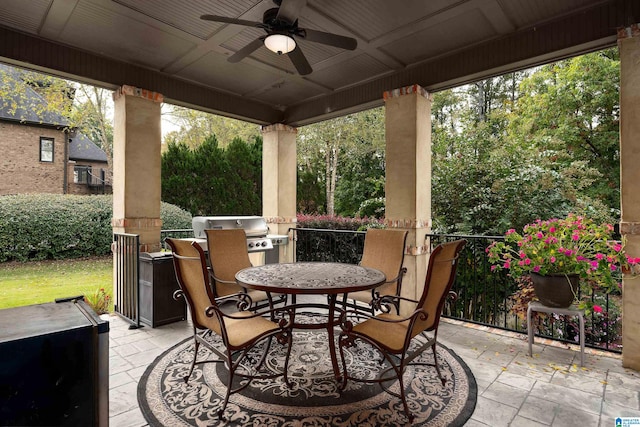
55,226
333,222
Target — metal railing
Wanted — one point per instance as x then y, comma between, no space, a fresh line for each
126,250
484,297
316,244
94,178
97,180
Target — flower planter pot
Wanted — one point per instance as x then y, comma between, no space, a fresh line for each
557,290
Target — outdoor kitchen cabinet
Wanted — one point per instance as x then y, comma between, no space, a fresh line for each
157,284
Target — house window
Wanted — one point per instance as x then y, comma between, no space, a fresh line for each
46,149
81,174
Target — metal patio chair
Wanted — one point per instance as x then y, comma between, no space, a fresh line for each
392,334
228,254
239,331
384,251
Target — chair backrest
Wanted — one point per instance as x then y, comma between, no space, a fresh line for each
384,250
190,264
228,254
441,273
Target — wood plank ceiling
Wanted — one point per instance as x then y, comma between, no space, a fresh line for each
164,46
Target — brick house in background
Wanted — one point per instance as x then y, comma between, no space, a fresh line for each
39,153
88,170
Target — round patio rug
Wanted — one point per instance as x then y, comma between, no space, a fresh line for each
313,399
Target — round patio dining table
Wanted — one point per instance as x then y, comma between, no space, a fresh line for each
317,278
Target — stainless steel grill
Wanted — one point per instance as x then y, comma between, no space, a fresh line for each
254,226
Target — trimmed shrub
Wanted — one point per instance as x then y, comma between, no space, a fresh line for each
337,222
173,217
56,226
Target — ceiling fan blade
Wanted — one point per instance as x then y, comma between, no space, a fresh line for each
227,20
246,51
290,10
335,40
300,62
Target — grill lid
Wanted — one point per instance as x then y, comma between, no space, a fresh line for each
254,226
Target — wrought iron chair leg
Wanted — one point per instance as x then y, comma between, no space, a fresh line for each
399,370
195,355
286,360
229,384
435,363
341,343
264,354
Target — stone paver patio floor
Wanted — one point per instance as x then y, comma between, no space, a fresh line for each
548,389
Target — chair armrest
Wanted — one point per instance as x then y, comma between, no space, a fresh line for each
286,318
347,325
226,282
382,302
452,296
398,278
242,299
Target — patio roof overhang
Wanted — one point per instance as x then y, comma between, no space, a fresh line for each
164,46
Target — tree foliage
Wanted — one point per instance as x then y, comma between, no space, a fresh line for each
347,156
544,145
28,96
209,180
193,127
91,114
505,151
570,109
533,144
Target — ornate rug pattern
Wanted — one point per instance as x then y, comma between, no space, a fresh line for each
313,399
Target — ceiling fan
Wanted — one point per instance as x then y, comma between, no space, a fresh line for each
281,26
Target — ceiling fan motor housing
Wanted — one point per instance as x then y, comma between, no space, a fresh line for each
271,21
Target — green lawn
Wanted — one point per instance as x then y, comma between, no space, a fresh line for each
44,281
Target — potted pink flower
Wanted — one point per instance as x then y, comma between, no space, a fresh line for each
571,250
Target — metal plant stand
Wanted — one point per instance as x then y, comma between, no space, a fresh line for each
570,311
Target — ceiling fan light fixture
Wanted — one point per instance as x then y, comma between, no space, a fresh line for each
279,43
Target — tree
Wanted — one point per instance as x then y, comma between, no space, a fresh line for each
527,145
572,108
194,126
179,175
311,197
361,188
209,180
245,176
32,96
468,124
92,115
323,146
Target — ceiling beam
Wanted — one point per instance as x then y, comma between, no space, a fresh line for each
585,30
42,55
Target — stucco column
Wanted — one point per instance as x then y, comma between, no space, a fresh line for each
136,165
408,178
279,182
629,46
